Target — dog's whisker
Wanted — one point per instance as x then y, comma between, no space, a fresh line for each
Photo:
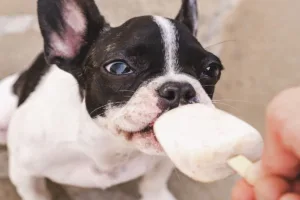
98,108
227,105
225,41
176,172
207,85
127,91
203,78
108,104
120,113
232,100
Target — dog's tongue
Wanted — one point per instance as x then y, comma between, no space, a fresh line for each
200,140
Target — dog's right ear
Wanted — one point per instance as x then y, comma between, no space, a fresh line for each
188,15
69,28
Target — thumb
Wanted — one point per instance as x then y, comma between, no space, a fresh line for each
282,141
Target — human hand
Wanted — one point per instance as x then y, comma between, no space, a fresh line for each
281,156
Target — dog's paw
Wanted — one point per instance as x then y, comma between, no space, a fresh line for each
162,195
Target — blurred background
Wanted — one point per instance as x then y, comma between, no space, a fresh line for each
257,40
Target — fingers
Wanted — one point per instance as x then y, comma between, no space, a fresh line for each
268,188
243,191
296,186
281,155
282,138
290,197
271,188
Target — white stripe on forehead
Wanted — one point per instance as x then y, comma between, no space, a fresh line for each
168,32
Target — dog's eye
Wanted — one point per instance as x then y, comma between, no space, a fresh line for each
118,68
212,70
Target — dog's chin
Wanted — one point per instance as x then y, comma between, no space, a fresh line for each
145,140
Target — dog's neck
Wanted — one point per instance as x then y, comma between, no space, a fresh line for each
96,132
106,149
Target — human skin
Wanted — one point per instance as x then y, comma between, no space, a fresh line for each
280,161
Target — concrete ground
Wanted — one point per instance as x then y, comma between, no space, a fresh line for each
260,54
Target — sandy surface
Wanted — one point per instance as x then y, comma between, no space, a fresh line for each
261,59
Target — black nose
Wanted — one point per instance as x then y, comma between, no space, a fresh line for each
174,93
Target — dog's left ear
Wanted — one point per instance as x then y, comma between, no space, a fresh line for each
69,29
188,15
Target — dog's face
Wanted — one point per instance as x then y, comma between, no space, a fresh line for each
133,73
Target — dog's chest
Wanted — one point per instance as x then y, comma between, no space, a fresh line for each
127,166
75,168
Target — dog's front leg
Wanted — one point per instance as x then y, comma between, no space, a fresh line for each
29,187
154,184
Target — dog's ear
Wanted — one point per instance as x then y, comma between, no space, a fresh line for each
69,28
188,15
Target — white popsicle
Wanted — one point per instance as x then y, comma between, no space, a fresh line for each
208,144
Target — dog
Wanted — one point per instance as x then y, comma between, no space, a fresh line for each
82,114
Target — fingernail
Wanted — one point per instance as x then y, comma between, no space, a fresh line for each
290,197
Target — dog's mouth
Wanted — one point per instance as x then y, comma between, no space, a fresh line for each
145,137
145,132
149,127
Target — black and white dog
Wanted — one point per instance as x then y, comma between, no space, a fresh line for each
82,114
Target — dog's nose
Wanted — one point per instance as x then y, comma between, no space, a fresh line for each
175,93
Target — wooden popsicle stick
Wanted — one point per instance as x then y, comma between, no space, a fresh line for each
251,172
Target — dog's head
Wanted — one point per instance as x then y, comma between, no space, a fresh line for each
133,73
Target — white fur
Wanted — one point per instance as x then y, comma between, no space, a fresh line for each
143,109
51,135
8,104
168,32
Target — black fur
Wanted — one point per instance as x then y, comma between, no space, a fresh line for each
192,54
137,42
188,14
30,78
51,20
